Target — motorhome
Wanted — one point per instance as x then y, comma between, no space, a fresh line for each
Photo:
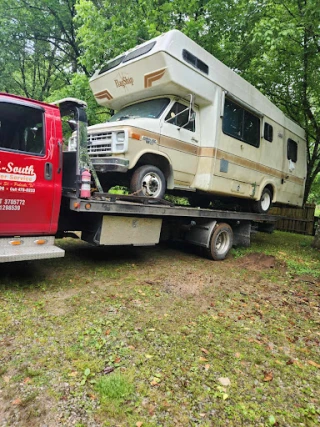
185,121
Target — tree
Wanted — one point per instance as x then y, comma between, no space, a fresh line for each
38,46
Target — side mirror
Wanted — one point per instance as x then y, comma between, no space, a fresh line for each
73,124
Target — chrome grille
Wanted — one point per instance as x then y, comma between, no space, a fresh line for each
99,144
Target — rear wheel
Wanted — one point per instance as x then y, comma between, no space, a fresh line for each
264,204
221,242
148,181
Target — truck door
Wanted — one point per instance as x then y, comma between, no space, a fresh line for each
29,185
180,140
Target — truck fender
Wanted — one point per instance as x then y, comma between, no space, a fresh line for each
155,158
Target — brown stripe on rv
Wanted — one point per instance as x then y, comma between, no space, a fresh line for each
219,154
103,94
175,144
256,166
152,77
184,147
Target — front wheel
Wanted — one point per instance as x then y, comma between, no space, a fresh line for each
264,204
148,181
221,242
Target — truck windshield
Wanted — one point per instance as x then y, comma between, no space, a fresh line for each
151,109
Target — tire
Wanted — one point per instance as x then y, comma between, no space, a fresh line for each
148,181
221,242
264,204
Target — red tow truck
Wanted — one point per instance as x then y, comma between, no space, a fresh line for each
44,194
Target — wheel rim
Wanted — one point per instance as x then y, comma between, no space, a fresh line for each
222,243
151,185
265,201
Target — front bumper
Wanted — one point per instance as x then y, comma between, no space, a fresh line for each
112,164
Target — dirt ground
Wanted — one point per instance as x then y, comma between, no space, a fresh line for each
50,311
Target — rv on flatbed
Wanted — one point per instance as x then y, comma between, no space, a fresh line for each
45,192
185,121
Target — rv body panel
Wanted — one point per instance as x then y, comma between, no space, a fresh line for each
238,144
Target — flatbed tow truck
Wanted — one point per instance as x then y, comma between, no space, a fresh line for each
44,194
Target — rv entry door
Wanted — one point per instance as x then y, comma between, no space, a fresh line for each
180,140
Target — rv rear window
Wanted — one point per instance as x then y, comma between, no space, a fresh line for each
241,123
111,64
195,62
268,132
292,152
138,52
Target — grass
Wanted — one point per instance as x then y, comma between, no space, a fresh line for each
114,387
145,337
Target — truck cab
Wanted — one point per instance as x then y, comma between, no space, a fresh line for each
31,185
147,138
30,166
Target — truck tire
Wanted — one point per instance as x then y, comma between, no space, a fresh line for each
148,181
221,242
264,204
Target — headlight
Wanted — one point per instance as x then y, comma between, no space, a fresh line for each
120,136
119,141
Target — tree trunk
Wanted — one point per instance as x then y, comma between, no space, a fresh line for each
316,241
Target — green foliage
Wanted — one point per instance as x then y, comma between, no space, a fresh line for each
314,195
79,88
38,47
105,30
114,386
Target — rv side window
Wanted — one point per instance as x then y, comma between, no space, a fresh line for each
140,51
292,150
21,128
268,132
195,62
240,123
112,64
179,116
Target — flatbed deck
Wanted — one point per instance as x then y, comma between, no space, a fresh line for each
113,219
144,206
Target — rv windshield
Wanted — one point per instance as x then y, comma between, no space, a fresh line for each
151,109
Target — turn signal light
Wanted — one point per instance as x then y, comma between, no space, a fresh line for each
87,206
76,205
40,241
135,136
16,242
